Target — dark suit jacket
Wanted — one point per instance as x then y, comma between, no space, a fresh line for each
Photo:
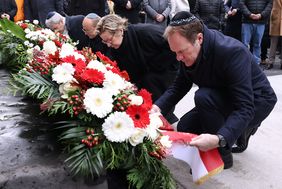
74,28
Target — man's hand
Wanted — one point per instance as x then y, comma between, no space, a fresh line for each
155,109
231,13
160,17
4,15
255,16
205,142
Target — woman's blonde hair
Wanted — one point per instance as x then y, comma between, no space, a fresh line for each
111,23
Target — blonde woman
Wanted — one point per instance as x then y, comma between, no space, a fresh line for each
141,50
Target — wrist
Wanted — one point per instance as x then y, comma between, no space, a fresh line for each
221,141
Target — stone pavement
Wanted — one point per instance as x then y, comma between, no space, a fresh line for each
258,167
28,161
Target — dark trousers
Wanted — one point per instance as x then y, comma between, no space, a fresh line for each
233,26
213,107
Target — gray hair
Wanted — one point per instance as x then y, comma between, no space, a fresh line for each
111,23
53,18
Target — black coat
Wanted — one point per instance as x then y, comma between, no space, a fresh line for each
227,66
132,14
74,28
249,7
146,56
84,7
9,7
38,9
211,12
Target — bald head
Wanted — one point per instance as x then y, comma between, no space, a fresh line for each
89,25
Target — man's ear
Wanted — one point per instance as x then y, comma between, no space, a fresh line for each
200,38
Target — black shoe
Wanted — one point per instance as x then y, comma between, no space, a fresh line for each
226,157
243,140
269,66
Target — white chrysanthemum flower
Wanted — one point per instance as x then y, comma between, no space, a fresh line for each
78,56
155,120
65,88
37,47
165,141
63,73
66,50
26,43
29,52
36,22
30,45
128,85
137,137
118,127
95,64
49,47
135,99
152,128
98,102
113,83
27,30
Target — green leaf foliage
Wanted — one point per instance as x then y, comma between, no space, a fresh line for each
10,26
35,85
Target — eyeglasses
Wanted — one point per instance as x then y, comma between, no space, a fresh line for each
85,31
109,40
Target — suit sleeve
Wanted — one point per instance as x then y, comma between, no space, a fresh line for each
238,76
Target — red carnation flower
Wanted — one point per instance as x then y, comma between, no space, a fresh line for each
93,76
105,59
147,97
23,25
57,42
139,115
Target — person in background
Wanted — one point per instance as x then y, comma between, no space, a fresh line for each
128,9
233,19
141,50
157,11
275,32
8,9
234,95
255,15
177,6
38,9
211,12
20,11
89,25
192,4
265,44
84,7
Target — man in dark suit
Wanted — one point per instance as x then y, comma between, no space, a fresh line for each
79,28
234,95
69,25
